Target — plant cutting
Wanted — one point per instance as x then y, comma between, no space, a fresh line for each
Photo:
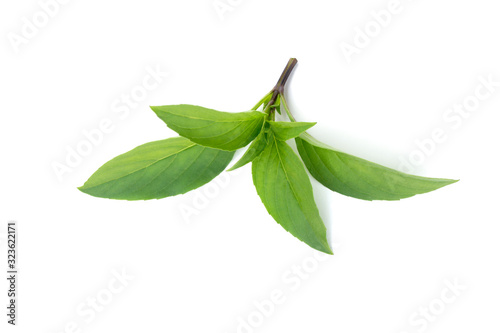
206,145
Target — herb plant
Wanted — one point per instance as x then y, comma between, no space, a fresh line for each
206,145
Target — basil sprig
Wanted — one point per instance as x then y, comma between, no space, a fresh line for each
206,145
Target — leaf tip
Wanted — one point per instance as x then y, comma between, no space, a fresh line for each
329,251
450,181
311,124
322,246
82,188
326,249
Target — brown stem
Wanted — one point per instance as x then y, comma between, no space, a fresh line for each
280,85
279,88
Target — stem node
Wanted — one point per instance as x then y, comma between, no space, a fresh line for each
279,88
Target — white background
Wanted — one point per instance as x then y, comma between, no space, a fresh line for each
204,272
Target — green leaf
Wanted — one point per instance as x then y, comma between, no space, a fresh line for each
284,130
359,178
252,152
285,189
210,128
156,170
